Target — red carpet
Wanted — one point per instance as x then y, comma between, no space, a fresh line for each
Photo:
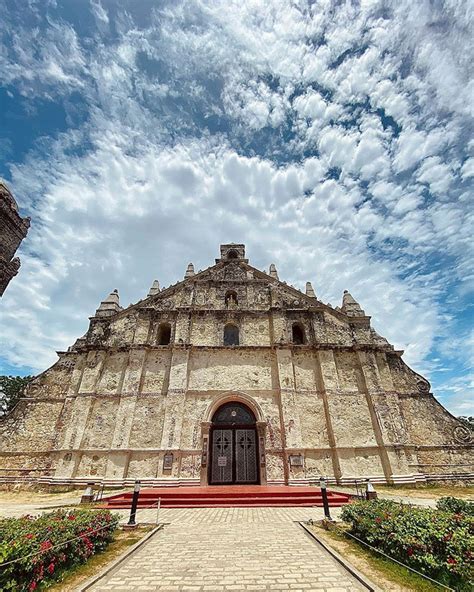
219,496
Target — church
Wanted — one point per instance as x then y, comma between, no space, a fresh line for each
231,376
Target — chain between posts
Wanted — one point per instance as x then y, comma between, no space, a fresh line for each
345,533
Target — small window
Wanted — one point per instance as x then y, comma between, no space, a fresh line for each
231,299
232,254
298,336
164,334
231,335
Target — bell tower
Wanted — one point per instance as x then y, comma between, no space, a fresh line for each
232,251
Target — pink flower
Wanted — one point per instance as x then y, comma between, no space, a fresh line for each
51,567
29,536
71,517
45,545
409,551
32,586
452,561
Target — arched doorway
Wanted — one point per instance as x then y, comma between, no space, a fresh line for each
234,446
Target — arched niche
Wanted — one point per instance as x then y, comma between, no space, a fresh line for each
164,334
231,334
298,334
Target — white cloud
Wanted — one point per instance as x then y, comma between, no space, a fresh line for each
206,125
467,169
436,174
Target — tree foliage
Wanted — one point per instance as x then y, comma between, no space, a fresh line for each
468,421
11,389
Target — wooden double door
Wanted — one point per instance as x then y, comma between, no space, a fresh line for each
234,455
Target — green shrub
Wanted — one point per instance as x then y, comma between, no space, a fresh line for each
437,543
455,505
33,541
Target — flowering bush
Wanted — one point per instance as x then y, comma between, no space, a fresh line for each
455,505
437,543
47,545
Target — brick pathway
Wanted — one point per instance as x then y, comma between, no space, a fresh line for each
230,549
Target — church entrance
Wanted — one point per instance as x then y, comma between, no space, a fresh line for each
234,446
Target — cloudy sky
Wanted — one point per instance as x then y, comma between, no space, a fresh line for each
334,139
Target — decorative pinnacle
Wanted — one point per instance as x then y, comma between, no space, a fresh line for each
309,290
350,306
109,306
155,289
189,271
273,272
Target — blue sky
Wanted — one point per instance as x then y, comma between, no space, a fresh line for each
334,139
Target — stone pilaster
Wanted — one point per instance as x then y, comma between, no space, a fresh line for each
326,378
182,331
372,387
175,396
205,451
289,407
84,399
142,328
261,433
128,399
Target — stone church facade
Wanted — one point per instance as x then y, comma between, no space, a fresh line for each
231,376
13,229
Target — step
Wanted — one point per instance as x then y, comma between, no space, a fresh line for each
226,496
233,497
229,501
188,505
221,492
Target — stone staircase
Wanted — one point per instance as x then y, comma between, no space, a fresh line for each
226,497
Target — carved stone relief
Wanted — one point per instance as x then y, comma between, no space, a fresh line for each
392,424
463,435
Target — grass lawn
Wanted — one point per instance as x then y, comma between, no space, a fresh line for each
71,579
429,491
389,576
30,496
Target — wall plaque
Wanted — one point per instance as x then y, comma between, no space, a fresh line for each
296,460
222,461
168,462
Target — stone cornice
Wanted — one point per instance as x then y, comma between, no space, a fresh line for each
275,346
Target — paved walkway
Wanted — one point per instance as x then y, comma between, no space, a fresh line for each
230,549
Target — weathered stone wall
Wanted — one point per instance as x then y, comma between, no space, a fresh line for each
14,229
343,401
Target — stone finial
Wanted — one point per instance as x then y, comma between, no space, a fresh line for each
109,306
350,306
189,271
155,289
273,272
309,290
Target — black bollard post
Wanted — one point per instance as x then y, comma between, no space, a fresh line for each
133,509
322,484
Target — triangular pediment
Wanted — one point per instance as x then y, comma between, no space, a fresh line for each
232,274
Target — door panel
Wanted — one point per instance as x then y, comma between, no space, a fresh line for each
245,456
222,457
